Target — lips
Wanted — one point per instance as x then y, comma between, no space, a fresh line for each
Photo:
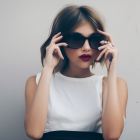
85,58
85,55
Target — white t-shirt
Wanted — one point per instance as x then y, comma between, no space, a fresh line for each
75,104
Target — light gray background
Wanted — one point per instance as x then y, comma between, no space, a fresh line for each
24,26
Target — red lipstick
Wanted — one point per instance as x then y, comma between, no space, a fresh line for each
85,57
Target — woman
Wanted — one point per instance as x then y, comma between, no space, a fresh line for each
66,96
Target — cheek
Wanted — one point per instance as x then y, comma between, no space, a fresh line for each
95,53
71,53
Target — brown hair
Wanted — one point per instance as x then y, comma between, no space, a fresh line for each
68,19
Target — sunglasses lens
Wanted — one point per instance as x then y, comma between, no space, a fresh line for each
95,40
75,41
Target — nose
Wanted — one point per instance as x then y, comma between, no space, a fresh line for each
86,46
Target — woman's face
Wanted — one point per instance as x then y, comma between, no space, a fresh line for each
73,54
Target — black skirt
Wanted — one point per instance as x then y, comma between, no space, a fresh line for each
71,135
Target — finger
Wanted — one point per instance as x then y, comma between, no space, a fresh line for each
62,44
56,35
108,53
56,50
107,35
109,43
57,39
104,51
104,46
112,45
60,54
104,42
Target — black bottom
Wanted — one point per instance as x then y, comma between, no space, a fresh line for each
71,135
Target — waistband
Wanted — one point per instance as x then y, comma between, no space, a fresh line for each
71,135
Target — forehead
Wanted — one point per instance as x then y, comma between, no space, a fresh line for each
85,29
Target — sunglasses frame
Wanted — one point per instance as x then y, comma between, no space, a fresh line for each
66,38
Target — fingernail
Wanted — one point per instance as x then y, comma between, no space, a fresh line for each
102,41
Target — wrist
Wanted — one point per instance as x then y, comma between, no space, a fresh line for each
47,68
112,73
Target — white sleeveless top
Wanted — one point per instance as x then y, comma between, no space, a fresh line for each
75,104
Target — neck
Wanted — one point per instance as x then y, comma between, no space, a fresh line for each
77,73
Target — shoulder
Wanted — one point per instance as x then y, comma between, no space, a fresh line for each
120,82
31,80
31,84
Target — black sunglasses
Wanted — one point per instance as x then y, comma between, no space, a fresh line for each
76,40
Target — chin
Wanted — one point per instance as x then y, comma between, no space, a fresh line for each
84,66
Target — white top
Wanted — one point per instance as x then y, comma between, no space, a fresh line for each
75,104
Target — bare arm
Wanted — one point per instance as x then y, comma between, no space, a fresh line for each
37,97
116,93
114,107
36,113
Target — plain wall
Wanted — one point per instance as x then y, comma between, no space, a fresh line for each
24,26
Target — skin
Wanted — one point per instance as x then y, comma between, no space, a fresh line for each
78,68
115,91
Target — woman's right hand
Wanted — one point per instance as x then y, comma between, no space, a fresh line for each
53,52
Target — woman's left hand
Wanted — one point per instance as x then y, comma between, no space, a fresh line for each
109,50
